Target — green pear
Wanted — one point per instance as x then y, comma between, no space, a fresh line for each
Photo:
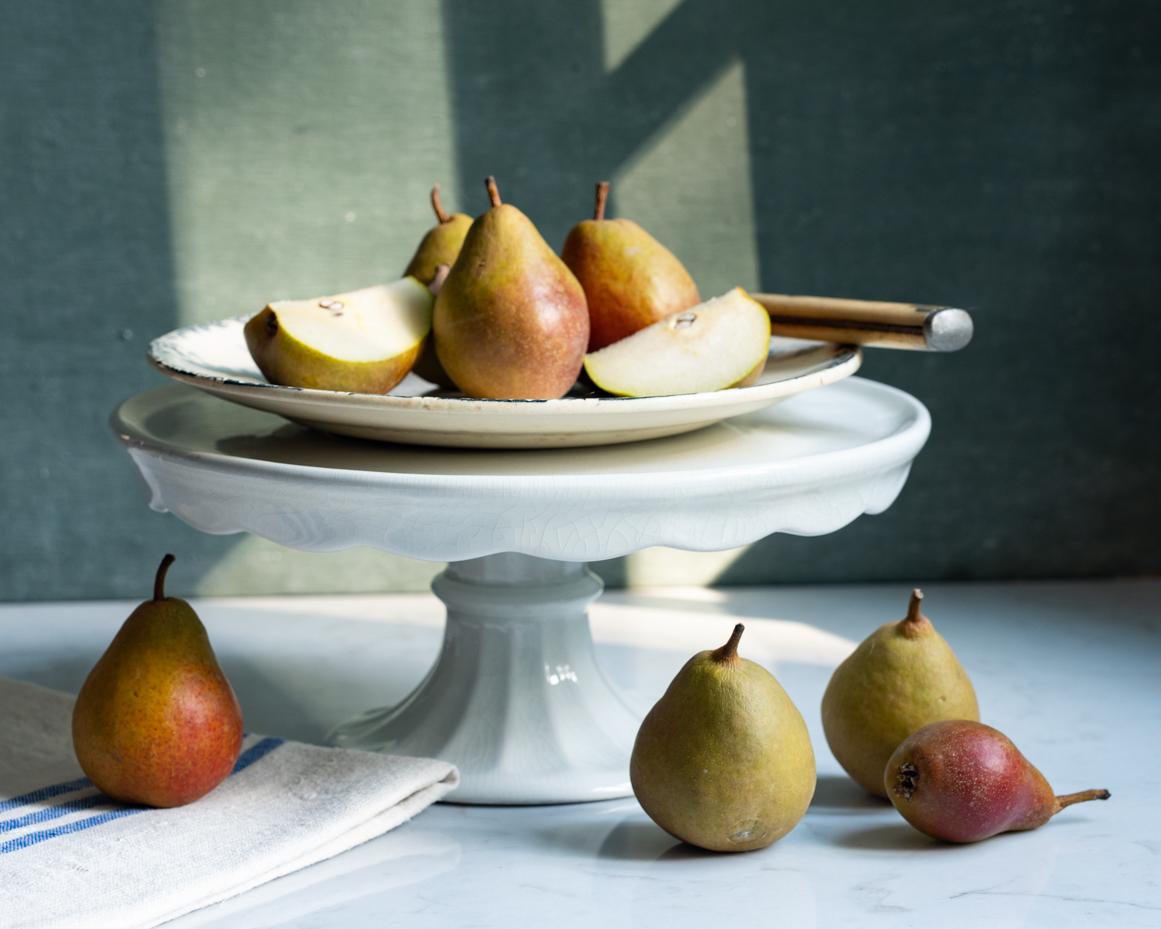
441,245
902,677
364,341
156,721
427,366
511,322
724,761
630,279
721,343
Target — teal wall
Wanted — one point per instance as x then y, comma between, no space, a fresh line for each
167,162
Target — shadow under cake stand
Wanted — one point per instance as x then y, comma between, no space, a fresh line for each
516,699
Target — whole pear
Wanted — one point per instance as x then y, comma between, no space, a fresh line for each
630,279
156,721
433,259
427,366
511,322
724,760
441,245
962,781
903,676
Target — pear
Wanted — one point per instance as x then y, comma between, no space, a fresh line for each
962,781
511,320
156,721
441,245
630,279
903,676
364,341
427,366
724,761
720,343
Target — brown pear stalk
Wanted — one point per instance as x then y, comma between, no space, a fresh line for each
962,781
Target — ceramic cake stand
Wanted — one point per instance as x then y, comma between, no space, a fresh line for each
516,699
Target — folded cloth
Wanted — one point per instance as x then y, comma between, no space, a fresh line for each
72,857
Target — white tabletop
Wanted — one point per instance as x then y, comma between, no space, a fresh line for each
1068,670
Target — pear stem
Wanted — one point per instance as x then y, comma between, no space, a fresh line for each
493,190
437,205
1070,799
441,273
159,581
913,607
602,198
728,653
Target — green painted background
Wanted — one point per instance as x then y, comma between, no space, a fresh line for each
162,163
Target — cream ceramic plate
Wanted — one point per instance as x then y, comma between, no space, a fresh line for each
214,357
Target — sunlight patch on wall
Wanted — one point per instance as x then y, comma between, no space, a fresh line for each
627,23
671,567
302,140
257,566
691,186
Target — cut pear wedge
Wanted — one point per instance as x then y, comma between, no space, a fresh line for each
717,344
364,341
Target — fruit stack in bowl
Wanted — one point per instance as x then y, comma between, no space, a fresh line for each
487,307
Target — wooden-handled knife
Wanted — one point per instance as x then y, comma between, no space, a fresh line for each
912,326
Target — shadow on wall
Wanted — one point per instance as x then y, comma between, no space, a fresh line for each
997,157
88,277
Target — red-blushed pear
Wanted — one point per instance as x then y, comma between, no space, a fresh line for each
156,721
511,321
630,279
441,245
721,343
365,341
962,781
723,760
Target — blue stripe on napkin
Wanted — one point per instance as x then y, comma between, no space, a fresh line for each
33,838
254,753
44,793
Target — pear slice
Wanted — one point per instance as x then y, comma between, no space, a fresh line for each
717,344
364,341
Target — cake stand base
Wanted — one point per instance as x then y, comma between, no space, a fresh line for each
515,700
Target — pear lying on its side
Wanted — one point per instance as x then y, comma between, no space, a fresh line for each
903,676
156,721
630,279
724,761
962,781
364,341
720,343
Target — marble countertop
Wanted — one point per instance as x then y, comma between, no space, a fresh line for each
1071,671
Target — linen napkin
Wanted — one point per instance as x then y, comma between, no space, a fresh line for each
72,857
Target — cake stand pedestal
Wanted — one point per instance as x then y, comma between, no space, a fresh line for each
516,699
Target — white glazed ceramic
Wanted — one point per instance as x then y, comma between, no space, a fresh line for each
516,699
214,357
516,696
